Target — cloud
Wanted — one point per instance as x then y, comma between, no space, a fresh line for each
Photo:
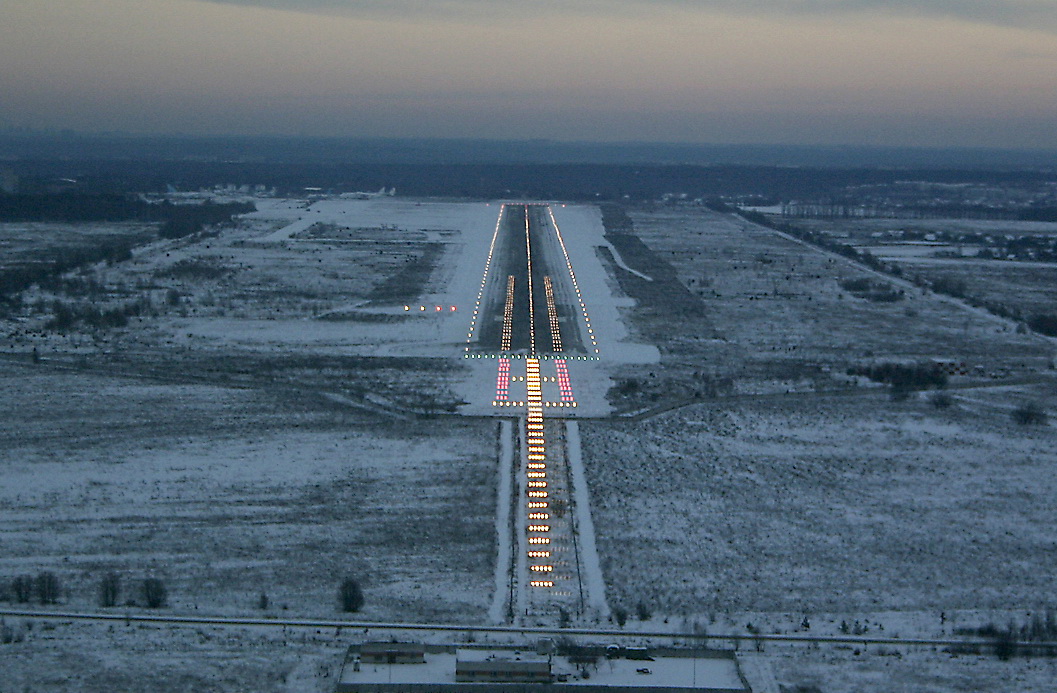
1031,14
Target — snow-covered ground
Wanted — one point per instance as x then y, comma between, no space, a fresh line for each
230,493
581,228
592,566
431,333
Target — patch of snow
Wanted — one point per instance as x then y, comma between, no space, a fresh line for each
596,586
497,611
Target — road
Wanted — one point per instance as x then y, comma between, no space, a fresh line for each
604,634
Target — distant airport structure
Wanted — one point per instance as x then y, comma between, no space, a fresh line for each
407,667
382,192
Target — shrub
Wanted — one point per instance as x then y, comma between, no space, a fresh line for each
109,589
9,634
1044,324
22,588
950,285
155,595
910,376
350,595
47,587
900,392
195,268
1005,645
858,285
1030,414
941,400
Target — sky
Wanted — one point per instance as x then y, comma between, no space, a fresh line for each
932,73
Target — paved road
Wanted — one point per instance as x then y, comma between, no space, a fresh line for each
516,630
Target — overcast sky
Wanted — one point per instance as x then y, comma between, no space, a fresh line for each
894,72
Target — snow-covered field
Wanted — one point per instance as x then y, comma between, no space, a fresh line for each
28,241
581,228
225,442
105,658
230,493
777,317
847,508
887,669
813,502
229,442
840,504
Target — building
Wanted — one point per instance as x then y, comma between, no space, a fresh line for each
380,667
392,653
476,666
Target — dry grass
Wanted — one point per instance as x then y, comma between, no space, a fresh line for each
833,505
781,315
230,493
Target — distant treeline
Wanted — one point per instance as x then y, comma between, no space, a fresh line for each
910,376
66,315
566,181
88,207
20,144
176,221
47,272
1038,214
1043,323
72,207
853,209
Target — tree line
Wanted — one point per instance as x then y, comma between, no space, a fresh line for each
150,592
1043,323
176,221
72,207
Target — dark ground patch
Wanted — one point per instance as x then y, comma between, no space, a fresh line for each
407,284
665,299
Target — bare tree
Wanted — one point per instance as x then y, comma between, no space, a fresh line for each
22,588
1030,414
350,595
47,587
154,593
109,589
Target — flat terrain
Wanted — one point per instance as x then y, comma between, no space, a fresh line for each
839,505
267,423
737,308
1027,286
26,242
263,426
230,493
115,657
887,669
807,494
